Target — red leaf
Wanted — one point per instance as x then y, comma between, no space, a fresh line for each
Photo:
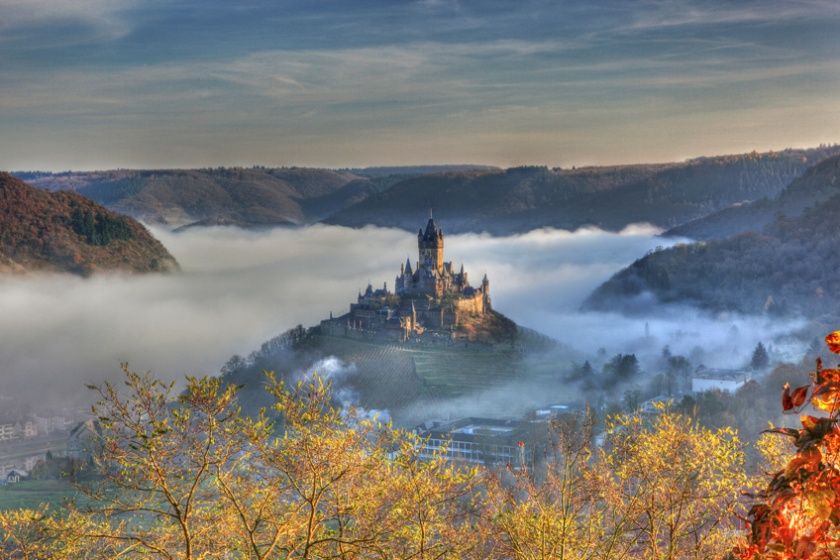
794,400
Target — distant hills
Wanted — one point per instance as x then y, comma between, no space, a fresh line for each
817,184
246,197
467,198
787,265
64,231
524,198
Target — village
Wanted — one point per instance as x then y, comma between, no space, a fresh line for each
27,441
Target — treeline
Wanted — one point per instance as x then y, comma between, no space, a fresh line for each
98,228
190,477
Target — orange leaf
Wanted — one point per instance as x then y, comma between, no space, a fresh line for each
827,398
828,376
833,341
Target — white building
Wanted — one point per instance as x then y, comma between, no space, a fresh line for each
726,380
8,430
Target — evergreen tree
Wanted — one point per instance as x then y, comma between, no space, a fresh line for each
621,367
760,359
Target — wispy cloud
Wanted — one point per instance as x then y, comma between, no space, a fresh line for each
102,19
331,85
663,14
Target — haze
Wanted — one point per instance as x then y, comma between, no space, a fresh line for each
239,288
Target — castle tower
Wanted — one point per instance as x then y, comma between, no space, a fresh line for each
430,244
485,293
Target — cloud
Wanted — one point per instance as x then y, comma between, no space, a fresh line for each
664,14
240,288
103,19
195,84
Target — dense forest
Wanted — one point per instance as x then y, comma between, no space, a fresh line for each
816,185
786,268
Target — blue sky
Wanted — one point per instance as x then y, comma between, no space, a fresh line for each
127,83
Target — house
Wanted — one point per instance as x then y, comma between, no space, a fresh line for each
13,476
30,429
84,440
726,380
8,429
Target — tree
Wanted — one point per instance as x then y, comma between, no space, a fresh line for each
760,359
798,514
675,485
186,476
621,368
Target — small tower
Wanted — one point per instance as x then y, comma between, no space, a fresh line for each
430,245
485,293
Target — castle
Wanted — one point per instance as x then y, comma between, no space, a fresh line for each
428,299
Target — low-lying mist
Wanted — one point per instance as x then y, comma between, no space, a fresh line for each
239,288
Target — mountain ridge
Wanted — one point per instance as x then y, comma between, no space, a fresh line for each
786,267
519,199
469,198
66,232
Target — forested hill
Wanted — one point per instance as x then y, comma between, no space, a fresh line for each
816,185
247,197
64,231
520,199
789,267
465,197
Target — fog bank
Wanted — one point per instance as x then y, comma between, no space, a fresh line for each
239,288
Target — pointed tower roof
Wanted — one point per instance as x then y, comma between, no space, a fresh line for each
408,266
431,232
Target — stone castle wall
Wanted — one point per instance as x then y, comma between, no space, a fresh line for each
470,305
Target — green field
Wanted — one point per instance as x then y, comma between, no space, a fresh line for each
30,493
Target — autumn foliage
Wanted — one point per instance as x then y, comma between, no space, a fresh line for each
64,231
798,514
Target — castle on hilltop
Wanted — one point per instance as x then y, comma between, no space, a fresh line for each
429,298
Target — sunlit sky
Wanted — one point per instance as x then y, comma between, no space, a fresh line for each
168,83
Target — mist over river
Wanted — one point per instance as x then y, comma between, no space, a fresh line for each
238,288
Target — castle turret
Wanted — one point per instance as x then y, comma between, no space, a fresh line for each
485,292
430,244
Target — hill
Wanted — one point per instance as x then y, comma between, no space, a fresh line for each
520,199
817,184
64,231
388,375
787,267
247,197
